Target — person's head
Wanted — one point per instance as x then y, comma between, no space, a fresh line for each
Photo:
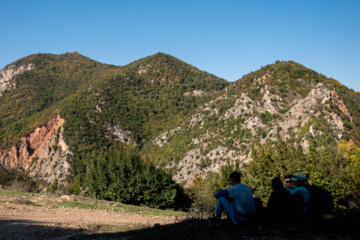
298,179
276,184
288,181
235,178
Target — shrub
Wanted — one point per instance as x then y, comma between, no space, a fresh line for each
126,178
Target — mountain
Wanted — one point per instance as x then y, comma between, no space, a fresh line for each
284,99
59,111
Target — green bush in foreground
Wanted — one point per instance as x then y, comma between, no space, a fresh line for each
125,178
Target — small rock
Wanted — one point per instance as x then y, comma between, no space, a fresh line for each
66,198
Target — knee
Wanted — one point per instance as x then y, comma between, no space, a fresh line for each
222,200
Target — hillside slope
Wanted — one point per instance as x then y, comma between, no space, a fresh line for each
59,111
284,99
96,106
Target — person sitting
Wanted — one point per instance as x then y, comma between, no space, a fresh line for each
237,201
301,194
280,202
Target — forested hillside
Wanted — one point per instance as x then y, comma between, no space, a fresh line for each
314,117
61,112
36,94
63,117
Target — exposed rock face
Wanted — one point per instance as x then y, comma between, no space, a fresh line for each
340,104
7,75
42,152
118,133
196,93
212,149
163,138
143,69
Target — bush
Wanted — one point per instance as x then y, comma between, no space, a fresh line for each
17,179
201,193
125,178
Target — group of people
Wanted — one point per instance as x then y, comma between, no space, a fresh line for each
289,201
240,206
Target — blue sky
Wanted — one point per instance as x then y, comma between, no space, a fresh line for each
225,38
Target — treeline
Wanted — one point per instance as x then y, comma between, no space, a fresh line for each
334,168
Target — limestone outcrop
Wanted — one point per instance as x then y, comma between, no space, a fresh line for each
8,73
43,152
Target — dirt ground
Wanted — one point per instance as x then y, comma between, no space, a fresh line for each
32,218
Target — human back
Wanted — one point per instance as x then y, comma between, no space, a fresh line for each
280,204
243,199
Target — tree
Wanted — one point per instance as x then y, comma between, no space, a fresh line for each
124,177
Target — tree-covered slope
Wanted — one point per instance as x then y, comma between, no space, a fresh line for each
283,99
136,103
102,105
34,93
179,118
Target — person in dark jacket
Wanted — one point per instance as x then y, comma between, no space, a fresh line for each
280,201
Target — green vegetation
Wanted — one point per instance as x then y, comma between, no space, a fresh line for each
333,168
123,177
18,179
157,94
34,100
91,96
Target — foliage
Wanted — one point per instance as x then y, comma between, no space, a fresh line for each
328,167
54,78
18,179
201,192
91,96
125,178
202,189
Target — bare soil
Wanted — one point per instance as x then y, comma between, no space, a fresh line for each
42,217
33,218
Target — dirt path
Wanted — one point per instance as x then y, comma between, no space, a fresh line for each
20,219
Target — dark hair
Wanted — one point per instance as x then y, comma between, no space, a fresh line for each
235,176
288,176
277,184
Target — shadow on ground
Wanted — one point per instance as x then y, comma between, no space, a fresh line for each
29,230
343,225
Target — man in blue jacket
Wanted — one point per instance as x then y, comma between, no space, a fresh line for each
237,201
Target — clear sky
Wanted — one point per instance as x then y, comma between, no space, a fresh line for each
225,38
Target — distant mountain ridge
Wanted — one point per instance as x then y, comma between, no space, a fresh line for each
183,119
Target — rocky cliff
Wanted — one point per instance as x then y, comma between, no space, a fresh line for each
243,122
8,73
43,152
